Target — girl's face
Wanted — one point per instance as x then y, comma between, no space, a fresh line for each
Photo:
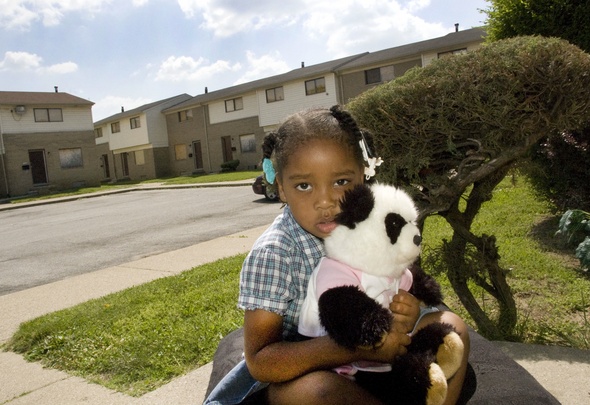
314,180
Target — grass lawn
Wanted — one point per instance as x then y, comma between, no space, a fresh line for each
140,338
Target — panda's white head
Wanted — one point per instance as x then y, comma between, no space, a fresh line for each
377,231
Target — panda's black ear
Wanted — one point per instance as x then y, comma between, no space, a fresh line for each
356,205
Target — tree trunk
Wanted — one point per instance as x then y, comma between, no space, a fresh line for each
482,266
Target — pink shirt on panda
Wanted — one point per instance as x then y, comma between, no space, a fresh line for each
331,273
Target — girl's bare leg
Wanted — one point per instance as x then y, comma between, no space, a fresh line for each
319,387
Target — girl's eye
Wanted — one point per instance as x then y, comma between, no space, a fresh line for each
342,182
303,187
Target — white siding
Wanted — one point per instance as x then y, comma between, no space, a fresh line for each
295,100
106,134
217,112
74,119
128,137
158,132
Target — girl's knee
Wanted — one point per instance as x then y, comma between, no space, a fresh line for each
459,325
453,319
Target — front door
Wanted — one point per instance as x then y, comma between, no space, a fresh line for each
125,164
105,167
38,166
197,155
226,148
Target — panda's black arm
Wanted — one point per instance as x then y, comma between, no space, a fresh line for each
352,318
425,287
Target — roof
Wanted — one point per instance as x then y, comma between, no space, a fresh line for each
41,98
138,110
446,42
296,74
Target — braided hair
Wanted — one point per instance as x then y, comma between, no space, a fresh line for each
333,124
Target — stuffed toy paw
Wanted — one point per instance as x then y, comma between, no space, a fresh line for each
364,324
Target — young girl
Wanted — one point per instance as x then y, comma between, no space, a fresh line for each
317,155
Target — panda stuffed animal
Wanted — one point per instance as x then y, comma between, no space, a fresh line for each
369,256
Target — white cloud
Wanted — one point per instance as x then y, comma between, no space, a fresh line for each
21,14
345,27
263,66
367,25
62,68
24,61
180,68
14,15
20,61
416,5
227,18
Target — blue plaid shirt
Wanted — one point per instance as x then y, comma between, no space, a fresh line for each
276,272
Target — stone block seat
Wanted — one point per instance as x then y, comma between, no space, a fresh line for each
492,378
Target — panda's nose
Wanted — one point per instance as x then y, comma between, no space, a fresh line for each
417,240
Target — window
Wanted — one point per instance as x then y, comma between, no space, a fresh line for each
373,76
48,115
134,122
185,115
115,127
275,94
248,143
180,151
234,104
98,132
451,53
70,158
139,157
315,86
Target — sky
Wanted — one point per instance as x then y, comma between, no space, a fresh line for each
127,53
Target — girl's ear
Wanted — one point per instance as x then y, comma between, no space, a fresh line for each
356,206
281,192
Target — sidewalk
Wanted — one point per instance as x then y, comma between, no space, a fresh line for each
563,372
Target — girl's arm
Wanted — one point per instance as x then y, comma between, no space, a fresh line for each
270,359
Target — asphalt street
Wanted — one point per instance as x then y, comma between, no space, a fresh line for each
46,243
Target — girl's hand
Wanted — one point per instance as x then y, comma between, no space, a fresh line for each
406,309
394,345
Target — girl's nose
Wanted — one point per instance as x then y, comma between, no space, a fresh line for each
326,199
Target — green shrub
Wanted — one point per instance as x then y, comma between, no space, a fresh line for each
575,226
230,166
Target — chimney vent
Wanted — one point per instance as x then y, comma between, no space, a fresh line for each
206,90
55,87
302,64
122,109
457,27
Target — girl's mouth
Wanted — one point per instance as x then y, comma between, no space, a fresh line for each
326,227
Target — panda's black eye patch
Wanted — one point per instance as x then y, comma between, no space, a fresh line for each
393,226
356,205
